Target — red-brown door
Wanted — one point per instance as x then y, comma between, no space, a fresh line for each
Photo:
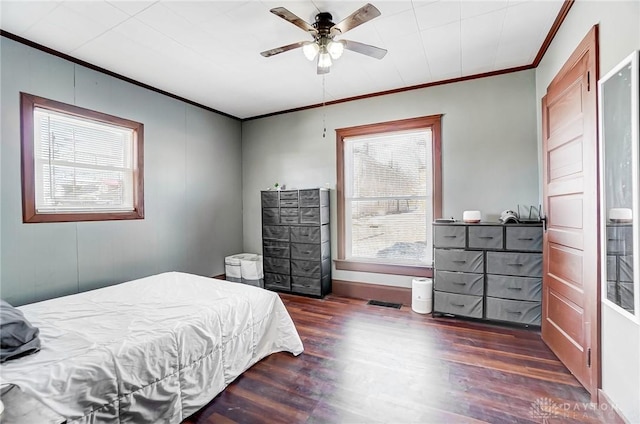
570,325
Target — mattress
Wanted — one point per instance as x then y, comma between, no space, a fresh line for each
155,349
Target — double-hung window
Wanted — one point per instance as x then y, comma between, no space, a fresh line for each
78,164
388,194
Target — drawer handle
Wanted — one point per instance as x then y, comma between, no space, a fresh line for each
459,284
460,261
615,239
515,264
485,237
459,305
514,288
513,312
450,236
526,238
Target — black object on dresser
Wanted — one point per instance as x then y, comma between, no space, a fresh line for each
296,241
488,271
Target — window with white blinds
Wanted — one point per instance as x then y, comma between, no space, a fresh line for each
79,164
388,192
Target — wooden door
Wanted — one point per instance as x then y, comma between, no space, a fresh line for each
570,324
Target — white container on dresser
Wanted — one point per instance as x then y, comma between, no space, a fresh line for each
488,271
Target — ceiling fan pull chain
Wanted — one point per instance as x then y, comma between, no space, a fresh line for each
324,111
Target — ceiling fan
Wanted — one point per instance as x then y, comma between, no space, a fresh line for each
323,31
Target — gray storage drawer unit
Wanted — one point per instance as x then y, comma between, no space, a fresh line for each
295,241
490,271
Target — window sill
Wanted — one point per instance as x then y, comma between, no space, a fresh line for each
378,268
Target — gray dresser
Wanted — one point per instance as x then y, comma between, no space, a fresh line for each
488,271
295,241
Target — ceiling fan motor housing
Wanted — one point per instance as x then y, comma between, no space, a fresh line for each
323,24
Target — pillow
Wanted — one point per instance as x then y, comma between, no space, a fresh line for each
17,336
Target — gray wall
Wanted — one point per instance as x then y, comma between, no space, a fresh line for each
619,29
489,150
193,182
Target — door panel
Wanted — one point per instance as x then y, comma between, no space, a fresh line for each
567,265
565,161
567,211
570,245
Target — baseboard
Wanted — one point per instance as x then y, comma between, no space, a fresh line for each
608,409
371,291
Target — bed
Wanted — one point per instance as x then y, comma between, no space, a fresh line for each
155,349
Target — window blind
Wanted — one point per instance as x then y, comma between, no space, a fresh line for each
81,165
388,196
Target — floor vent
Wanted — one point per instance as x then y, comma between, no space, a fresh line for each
385,304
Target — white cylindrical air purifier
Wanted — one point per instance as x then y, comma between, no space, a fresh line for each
422,295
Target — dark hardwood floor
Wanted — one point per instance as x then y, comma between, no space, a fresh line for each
371,364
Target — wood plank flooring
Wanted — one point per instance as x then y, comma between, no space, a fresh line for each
371,364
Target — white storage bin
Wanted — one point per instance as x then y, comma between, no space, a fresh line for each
244,268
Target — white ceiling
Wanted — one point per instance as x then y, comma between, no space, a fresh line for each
209,51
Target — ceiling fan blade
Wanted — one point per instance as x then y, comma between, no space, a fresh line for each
283,49
365,49
294,19
360,16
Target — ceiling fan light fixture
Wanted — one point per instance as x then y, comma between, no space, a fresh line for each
324,60
335,49
310,50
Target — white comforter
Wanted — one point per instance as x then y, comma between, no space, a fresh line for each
151,350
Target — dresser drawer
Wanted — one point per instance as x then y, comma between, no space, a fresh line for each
289,203
276,249
459,260
449,236
269,199
275,232
459,282
519,311
457,304
310,198
306,285
277,281
620,239
277,265
485,237
270,216
314,269
626,295
315,234
524,238
520,288
510,263
310,251
625,268
314,215
288,195
289,216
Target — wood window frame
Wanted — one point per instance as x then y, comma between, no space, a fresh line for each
434,122
28,104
